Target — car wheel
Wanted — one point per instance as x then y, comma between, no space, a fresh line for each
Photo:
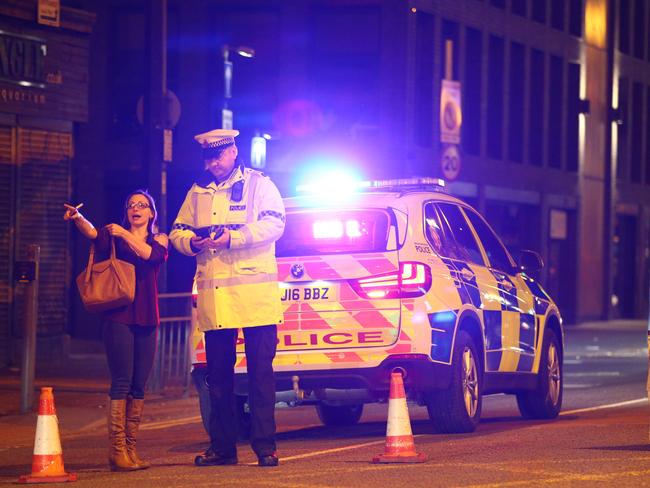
545,401
458,408
339,415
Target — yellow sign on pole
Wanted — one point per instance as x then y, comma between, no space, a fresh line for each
451,116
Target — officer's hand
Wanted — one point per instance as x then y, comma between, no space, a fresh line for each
116,230
200,243
220,243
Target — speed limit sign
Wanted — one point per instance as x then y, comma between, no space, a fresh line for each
450,162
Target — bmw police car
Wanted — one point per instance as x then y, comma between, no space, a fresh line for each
400,276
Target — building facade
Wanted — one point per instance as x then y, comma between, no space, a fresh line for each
43,95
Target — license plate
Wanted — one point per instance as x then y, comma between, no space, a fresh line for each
310,293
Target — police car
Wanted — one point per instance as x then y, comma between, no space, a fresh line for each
400,276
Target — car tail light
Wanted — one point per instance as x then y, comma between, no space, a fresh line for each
195,294
410,280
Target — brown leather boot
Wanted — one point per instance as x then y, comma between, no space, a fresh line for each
118,457
134,408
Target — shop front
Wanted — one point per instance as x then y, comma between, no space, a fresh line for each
43,94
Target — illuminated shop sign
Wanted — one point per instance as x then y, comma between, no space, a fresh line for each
22,60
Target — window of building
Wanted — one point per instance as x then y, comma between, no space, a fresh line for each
539,11
555,112
624,26
462,233
557,14
636,129
622,163
536,102
575,17
424,54
516,103
496,253
472,84
639,27
573,97
495,98
519,7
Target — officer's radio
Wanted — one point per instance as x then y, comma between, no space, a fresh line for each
237,191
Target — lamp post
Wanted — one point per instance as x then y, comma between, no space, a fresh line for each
245,52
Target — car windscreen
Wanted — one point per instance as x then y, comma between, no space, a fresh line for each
318,232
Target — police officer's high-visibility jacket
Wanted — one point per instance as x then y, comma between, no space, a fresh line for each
237,286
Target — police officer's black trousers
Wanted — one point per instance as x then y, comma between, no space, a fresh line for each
260,344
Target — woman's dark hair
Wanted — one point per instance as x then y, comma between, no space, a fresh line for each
152,228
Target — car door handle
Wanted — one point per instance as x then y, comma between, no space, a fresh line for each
467,274
507,286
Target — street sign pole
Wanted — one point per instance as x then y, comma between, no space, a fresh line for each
450,119
29,276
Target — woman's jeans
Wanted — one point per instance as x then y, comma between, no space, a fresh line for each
130,351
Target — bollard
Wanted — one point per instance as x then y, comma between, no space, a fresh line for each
27,272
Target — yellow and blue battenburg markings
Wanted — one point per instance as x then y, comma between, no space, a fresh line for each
509,331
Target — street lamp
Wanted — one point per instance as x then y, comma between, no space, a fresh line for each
245,52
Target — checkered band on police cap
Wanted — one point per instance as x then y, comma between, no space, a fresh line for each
216,138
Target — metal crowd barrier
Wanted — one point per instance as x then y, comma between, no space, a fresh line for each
172,365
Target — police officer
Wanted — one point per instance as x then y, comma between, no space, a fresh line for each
230,220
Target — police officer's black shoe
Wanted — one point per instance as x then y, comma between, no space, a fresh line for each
268,461
213,458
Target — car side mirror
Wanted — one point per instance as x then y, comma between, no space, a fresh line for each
530,262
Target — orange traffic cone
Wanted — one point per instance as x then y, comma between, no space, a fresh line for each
47,461
400,447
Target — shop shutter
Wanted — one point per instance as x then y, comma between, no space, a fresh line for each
7,174
43,186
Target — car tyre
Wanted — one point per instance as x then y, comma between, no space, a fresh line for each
457,409
339,415
545,401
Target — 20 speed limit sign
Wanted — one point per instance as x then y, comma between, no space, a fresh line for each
450,162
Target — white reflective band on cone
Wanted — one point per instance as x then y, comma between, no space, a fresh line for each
47,440
399,423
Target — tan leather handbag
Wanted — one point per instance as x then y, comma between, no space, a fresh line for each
107,284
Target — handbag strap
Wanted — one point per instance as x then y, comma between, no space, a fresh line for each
91,258
91,261
113,258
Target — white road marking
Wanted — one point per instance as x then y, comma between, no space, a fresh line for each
572,361
603,407
163,424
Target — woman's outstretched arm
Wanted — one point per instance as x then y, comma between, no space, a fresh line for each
86,227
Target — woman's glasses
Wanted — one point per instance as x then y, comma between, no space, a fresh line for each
138,205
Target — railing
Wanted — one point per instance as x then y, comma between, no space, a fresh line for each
172,364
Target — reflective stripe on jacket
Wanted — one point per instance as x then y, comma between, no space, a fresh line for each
238,286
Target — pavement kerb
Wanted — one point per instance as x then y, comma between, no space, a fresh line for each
628,325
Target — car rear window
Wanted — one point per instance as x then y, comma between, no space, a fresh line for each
318,232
